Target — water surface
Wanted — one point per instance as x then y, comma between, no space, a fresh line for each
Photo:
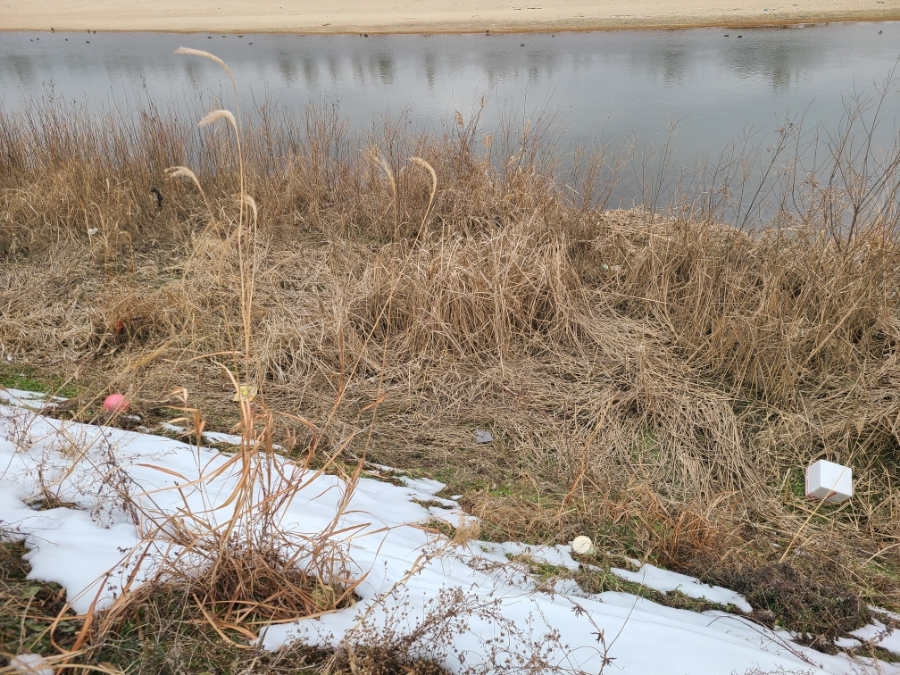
716,83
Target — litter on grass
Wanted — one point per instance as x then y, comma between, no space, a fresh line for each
582,545
115,403
829,481
247,392
501,614
483,436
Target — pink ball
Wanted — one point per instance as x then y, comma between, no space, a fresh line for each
115,403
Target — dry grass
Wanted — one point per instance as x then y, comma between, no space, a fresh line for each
233,560
652,377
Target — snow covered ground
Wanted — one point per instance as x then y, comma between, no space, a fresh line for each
496,616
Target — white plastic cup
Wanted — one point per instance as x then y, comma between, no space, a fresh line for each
583,546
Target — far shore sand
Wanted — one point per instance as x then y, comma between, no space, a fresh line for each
425,16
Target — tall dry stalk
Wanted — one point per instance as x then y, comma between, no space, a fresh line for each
251,570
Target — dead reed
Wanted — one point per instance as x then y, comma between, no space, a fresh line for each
231,556
656,378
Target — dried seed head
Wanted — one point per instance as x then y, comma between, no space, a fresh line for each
249,201
183,172
205,55
214,116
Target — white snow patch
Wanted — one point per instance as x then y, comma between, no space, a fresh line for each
230,439
885,612
33,400
879,634
426,485
172,427
219,437
383,467
33,664
874,631
410,574
559,555
665,581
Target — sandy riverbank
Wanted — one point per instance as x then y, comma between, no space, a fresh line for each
399,16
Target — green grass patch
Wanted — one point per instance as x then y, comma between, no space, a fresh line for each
28,378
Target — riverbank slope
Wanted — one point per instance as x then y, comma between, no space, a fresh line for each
412,16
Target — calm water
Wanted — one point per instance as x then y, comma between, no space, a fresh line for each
601,85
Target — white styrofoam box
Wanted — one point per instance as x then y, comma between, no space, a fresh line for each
829,481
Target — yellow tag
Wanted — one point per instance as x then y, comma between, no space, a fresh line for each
247,393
